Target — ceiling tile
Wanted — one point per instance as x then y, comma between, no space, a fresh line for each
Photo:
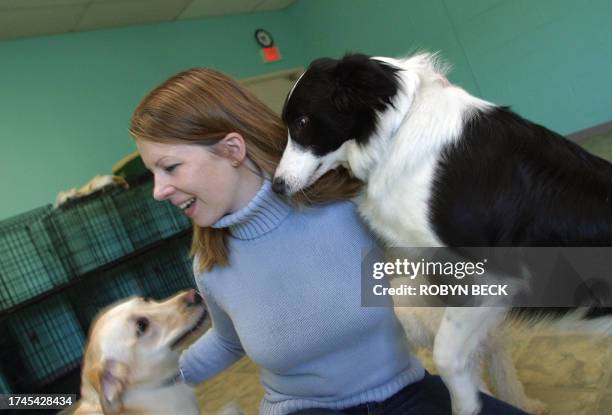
25,18
23,4
202,8
39,21
130,12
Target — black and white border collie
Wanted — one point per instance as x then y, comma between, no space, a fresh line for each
444,168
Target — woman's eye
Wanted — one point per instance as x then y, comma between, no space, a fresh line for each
142,324
171,168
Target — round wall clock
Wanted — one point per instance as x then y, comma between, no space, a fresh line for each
264,39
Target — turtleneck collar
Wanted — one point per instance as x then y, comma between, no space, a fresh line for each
261,215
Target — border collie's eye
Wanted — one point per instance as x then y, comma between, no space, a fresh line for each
146,299
302,121
142,324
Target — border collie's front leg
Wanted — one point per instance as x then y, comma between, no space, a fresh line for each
460,336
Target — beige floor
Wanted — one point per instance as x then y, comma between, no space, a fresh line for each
570,372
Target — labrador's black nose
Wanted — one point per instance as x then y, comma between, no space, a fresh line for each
193,298
279,186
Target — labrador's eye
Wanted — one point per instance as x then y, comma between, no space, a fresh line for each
142,324
302,121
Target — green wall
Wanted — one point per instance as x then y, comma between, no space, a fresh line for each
65,101
550,60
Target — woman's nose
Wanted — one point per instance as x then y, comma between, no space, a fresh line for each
161,189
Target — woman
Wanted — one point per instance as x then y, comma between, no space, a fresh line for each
281,279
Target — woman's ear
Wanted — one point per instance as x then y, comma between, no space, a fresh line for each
233,147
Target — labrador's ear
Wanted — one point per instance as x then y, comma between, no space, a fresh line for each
111,378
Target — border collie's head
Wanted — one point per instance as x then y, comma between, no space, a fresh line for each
334,102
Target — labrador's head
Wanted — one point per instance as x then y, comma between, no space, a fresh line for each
137,343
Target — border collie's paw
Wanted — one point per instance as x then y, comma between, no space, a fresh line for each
462,409
536,407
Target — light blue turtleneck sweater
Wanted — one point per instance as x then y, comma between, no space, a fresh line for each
290,299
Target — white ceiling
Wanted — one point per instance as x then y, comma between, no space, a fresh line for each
25,18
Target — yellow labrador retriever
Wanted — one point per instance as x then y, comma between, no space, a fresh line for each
130,365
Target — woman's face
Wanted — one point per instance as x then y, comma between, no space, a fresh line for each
202,184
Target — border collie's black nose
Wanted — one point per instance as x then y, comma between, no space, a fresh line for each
279,186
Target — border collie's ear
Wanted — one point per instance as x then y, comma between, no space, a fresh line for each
111,381
363,82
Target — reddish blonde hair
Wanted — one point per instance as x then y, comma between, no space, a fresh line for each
202,106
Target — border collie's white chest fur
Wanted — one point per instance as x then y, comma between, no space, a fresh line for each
407,163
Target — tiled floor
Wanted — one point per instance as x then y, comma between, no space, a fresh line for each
240,384
570,372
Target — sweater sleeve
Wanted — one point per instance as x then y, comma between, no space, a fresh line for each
217,349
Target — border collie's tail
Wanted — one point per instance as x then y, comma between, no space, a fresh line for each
594,320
